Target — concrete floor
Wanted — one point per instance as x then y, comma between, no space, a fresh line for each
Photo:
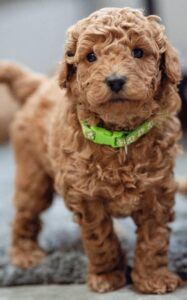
81,292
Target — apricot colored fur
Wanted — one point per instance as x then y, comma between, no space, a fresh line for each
99,182
8,109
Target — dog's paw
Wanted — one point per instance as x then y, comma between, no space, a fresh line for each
106,282
160,282
26,258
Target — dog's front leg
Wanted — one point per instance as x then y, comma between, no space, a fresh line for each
106,260
150,274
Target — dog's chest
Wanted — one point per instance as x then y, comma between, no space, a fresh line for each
120,181
114,177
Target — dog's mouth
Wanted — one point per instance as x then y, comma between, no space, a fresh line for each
117,100
119,113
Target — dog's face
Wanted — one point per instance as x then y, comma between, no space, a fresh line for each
114,63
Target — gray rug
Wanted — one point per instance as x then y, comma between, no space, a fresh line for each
66,262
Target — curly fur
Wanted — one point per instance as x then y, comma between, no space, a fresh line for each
99,182
7,112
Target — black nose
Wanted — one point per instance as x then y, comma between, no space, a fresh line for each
115,82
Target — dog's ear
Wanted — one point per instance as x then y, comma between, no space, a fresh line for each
170,64
68,65
67,70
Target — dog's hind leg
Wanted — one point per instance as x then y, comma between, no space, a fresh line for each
34,193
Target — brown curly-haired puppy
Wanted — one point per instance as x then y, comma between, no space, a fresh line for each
119,70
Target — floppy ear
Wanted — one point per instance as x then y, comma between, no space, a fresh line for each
67,66
170,64
67,70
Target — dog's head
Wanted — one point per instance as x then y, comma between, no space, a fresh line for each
116,63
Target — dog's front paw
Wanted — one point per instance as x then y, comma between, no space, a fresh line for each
106,282
26,257
160,281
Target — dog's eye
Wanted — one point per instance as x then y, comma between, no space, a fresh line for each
137,53
91,57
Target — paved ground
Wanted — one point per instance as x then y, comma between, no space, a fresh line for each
80,292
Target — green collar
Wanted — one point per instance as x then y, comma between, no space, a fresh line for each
115,139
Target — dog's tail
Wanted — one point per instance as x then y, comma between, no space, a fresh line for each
21,81
182,186
17,84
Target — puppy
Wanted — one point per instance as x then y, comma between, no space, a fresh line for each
105,139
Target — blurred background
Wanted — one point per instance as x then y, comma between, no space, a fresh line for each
33,31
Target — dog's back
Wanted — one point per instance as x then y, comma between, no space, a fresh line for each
38,96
